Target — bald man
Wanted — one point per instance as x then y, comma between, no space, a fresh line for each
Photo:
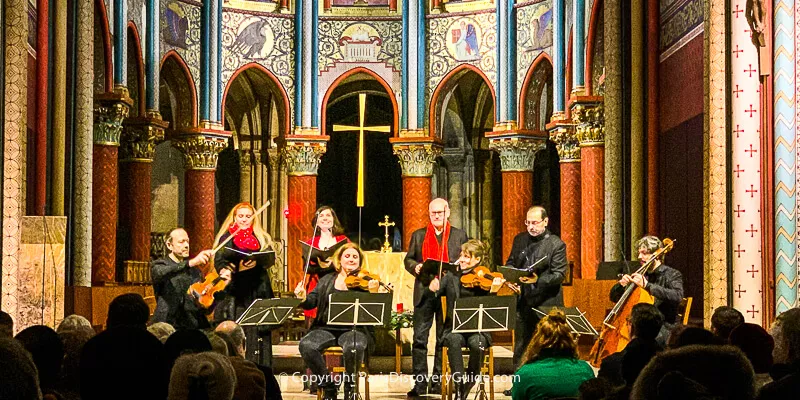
427,243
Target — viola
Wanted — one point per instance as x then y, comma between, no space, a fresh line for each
361,279
203,292
483,278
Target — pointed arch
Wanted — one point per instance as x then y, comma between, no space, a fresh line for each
101,24
446,81
568,83
349,73
186,105
284,101
529,78
597,13
136,53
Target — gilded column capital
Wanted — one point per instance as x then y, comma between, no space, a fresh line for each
563,134
110,109
245,158
258,157
590,119
517,150
302,153
273,158
140,136
416,157
201,149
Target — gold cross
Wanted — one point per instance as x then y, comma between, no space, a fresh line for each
362,100
387,248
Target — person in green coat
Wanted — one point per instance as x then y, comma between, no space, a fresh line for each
550,366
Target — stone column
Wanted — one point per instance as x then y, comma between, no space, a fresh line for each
245,175
416,157
276,210
201,150
517,154
259,182
569,156
613,230
590,134
137,150
455,184
59,109
302,155
110,109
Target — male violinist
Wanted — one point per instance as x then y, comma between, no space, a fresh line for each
438,241
172,276
661,281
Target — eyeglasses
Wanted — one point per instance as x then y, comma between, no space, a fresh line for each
433,213
534,223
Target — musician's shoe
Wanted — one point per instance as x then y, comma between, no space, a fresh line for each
348,391
329,392
507,392
436,388
417,391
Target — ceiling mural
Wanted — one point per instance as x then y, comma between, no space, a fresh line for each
180,31
534,36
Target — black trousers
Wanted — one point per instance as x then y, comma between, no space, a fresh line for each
317,340
476,342
258,342
430,307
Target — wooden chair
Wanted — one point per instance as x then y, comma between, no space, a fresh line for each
487,368
684,308
151,304
337,351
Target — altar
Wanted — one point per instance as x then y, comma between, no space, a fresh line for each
390,268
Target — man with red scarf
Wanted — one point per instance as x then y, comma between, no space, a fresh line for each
438,241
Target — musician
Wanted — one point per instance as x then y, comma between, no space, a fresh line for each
329,232
249,281
438,241
172,276
663,282
474,253
537,245
347,260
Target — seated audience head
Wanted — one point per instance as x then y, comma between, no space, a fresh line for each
18,376
161,330
786,333
72,322
683,335
553,338
218,344
724,320
74,340
128,309
6,325
47,352
236,334
646,321
123,363
594,389
696,372
757,345
202,376
182,342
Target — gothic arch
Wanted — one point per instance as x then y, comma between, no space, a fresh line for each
135,66
378,78
277,88
178,95
540,73
103,64
447,84
595,21
568,83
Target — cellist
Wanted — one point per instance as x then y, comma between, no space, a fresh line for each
663,282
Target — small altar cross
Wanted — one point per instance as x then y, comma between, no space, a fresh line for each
387,248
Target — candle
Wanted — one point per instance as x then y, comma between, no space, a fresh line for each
399,307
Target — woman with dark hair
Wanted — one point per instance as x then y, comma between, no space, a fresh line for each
347,261
329,232
551,367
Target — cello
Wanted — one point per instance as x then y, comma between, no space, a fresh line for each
616,331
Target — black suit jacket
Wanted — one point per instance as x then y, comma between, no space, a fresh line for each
171,281
527,250
414,257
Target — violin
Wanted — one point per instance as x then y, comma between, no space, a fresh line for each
203,292
483,278
361,280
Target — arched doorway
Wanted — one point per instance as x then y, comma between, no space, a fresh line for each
468,176
337,174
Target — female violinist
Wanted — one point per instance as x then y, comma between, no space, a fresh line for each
248,281
465,283
347,261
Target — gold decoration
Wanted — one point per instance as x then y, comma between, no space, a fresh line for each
417,159
387,247
302,157
245,158
200,151
566,140
110,109
516,153
590,119
140,136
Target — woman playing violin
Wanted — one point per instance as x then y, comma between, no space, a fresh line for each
347,261
465,283
329,232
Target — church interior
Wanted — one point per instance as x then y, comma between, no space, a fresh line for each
124,119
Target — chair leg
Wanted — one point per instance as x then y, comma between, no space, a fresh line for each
445,384
366,382
491,373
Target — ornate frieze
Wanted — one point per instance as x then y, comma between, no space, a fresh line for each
140,136
517,153
302,157
590,120
110,109
417,159
200,150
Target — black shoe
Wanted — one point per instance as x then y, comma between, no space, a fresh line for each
507,392
348,391
329,392
416,392
436,388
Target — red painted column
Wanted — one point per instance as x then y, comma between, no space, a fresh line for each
517,198
592,203
42,85
416,196
562,133
392,5
417,157
652,116
109,112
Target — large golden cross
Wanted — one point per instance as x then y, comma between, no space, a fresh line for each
387,248
362,100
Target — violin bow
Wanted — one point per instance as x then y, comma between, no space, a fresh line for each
221,245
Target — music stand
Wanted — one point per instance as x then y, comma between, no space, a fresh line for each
575,319
484,314
268,313
359,309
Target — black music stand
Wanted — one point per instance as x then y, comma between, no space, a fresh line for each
575,319
484,314
268,313
359,309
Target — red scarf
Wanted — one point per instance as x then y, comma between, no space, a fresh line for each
315,240
244,239
431,247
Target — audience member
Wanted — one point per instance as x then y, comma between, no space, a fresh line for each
69,378
594,389
646,323
128,309
182,342
6,325
696,372
236,334
251,378
757,345
684,335
123,363
724,320
218,344
202,376
72,322
161,330
786,373
551,367
47,352
19,376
